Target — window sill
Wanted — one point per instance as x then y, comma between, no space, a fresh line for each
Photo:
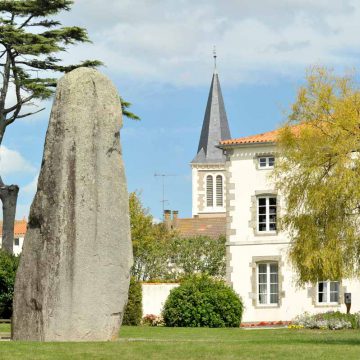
266,233
325,305
263,306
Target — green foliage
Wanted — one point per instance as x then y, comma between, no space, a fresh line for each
199,254
201,301
125,105
30,42
318,173
150,243
8,266
161,255
133,310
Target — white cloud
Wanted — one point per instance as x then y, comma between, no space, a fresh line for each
171,41
31,187
12,161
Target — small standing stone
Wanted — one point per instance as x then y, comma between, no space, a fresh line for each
73,279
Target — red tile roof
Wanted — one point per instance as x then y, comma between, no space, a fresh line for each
267,137
211,226
20,227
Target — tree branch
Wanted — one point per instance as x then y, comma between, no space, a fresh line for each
26,22
6,77
13,118
23,101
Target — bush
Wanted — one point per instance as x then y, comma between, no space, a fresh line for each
332,320
201,301
133,310
153,320
8,266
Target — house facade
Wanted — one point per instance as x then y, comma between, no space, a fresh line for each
19,235
258,266
230,179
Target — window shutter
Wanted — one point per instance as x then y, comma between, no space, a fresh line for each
209,191
219,191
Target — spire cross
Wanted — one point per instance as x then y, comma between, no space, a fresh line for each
215,56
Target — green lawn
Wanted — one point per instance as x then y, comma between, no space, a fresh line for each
181,343
4,327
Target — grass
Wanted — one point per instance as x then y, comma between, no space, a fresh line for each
181,343
4,327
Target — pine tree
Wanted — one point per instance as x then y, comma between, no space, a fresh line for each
30,41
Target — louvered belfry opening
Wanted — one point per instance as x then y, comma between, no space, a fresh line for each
219,190
209,191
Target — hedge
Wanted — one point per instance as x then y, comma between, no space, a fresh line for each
133,310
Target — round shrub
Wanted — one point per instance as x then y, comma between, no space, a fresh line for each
133,310
201,301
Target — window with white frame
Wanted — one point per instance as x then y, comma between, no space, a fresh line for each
268,283
266,162
16,241
209,191
219,190
328,292
266,213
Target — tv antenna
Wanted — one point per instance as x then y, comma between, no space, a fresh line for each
163,201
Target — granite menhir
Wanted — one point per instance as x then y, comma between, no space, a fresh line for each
73,279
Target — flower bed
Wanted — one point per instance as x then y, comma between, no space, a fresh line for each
265,324
332,320
153,320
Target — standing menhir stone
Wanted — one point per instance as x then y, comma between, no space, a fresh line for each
73,279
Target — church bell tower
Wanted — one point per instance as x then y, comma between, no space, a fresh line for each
208,166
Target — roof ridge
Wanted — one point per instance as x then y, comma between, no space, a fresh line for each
261,138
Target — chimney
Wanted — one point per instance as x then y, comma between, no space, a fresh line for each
175,214
167,218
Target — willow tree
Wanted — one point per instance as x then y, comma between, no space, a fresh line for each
29,42
318,173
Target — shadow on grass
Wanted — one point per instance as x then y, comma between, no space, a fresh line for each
353,342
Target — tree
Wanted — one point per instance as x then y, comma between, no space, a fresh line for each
150,243
8,267
198,255
318,173
29,43
161,254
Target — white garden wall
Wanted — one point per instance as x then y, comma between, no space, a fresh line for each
154,296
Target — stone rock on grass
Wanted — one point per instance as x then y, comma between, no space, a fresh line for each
73,279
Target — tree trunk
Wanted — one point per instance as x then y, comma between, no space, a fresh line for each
8,196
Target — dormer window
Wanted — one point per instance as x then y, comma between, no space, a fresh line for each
266,162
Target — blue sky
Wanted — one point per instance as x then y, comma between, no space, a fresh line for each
159,55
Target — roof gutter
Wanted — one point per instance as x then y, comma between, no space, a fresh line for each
245,145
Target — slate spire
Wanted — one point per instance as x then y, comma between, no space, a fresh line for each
215,126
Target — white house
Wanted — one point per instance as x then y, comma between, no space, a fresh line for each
230,178
257,263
